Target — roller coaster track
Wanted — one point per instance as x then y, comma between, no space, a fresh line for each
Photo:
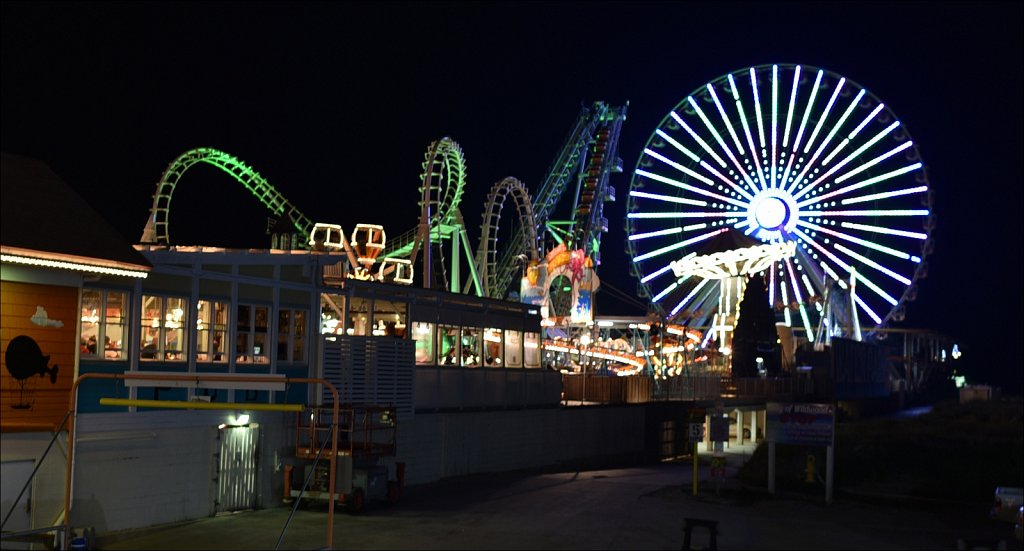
596,128
496,282
157,228
441,187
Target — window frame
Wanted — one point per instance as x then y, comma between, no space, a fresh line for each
160,325
103,325
250,332
209,335
296,333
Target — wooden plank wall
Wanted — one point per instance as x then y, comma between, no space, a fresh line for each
55,334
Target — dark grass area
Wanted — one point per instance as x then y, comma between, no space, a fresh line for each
955,452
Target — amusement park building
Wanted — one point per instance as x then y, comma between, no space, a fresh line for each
165,311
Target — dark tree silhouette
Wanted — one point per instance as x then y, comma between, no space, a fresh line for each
755,335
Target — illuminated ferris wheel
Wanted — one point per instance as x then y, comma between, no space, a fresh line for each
786,155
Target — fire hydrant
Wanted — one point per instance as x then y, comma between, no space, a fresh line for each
809,469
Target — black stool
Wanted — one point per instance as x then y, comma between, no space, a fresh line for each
690,523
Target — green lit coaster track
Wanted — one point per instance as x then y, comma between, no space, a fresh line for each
584,163
157,229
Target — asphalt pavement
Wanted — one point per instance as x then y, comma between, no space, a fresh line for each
631,508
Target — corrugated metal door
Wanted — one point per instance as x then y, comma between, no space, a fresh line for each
236,474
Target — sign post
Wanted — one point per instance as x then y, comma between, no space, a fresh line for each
696,435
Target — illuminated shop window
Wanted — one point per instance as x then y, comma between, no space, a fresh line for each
251,341
103,324
531,348
211,331
291,335
423,335
448,349
513,348
163,328
471,341
332,314
493,352
360,317
389,318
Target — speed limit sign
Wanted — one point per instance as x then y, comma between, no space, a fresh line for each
696,432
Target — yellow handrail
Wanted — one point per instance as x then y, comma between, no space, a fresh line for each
179,404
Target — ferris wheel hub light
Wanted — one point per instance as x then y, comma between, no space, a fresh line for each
771,213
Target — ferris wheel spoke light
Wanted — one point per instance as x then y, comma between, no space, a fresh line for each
757,107
866,120
746,130
667,290
679,215
792,278
858,170
884,195
682,148
700,141
857,240
785,302
885,132
724,146
807,323
858,185
898,149
680,244
873,264
831,273
668,231
860,277
792,104
689,296
887,231
867,310
824,115
711,128
655,273
837,126
807,110
807,284
668,198
898,212
775,124
725,118
680,168
726,181
688,187
828,158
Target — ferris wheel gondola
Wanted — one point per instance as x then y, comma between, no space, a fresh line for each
783,154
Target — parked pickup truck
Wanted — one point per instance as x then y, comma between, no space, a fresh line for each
1006,503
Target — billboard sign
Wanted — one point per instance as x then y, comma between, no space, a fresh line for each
800,424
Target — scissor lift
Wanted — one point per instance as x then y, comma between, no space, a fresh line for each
366,452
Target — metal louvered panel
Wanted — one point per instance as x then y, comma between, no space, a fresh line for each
371,371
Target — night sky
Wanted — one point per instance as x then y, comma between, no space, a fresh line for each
336,103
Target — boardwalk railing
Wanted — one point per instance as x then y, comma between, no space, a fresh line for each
641,389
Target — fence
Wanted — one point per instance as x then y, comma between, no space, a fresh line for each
641,389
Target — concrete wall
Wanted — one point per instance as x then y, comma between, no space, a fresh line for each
135,470
441,445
